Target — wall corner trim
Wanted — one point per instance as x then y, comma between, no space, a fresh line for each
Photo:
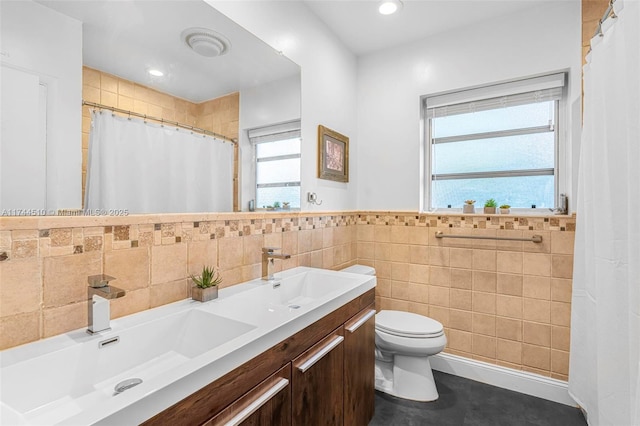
506,378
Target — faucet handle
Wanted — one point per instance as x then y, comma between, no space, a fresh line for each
98,281
270,250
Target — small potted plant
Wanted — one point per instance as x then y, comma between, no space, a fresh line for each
490,206
206,284
505,209
276,205
468,206
286,205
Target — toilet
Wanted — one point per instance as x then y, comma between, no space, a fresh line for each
404,343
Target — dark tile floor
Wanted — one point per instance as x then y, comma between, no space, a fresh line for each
465,402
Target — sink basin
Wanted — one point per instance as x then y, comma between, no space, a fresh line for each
305,288
61,383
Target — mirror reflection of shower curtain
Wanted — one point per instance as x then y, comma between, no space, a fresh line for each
148,168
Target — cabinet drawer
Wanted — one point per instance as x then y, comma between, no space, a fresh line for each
267,404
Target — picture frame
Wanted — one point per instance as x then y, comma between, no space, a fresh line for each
333,155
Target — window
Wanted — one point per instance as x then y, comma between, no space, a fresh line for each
498,141
277,154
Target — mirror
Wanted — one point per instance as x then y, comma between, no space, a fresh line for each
248,85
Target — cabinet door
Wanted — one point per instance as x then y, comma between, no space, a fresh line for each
359,366
268,404
317,383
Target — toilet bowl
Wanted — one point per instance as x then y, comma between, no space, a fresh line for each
404,343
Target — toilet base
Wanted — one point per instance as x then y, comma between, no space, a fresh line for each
407,377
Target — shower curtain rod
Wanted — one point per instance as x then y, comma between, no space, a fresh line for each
160,120
607,13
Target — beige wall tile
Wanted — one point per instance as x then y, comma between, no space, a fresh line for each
317,238
460,258
461,278
484,346
561,290
400,234
536,264
419,236
508,328
305,242
536,357
169,263
562,242
460,340
365,233
201,253
252,249
439,295
484,260
419,308
460,320
168,292
536,287
382,233
460,299
399,253
419,274
484,302
484,281
562,266
130,267
400,271
484,324
439,256
230,252
20,286
536,310
543,247
65,318
440,276
289,242
65,277
509,351
366,250
536,333
440,314
19,329
419,255
509,261
382,251
383,287
383,269
509,284
509,306
560,362
560,337
134,301
561,313
400,290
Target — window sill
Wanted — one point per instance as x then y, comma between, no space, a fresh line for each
542,212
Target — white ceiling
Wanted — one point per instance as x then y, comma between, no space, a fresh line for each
363,30
126,38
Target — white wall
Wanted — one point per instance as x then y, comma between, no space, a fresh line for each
328,84
45,43
391,82
264,105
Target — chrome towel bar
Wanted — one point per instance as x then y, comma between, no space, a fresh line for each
533,239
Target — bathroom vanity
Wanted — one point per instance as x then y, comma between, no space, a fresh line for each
295,350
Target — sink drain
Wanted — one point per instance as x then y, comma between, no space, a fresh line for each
125,385
294,306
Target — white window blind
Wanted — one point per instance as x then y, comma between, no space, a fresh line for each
276,132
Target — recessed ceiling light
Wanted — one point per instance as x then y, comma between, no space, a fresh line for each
156,73
389,7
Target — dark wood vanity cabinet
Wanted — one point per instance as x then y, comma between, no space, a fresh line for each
321,375
268,404
359,366
317,377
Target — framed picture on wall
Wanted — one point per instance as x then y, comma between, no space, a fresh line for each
333,155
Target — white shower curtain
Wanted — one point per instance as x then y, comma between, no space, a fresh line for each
605,323
148,168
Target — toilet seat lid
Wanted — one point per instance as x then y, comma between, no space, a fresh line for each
407,324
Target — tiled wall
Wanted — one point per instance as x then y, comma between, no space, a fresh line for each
43,285
219,115
502,302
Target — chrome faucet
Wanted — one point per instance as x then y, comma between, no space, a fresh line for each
99,294
268,254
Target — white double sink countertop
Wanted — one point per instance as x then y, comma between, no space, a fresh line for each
174,349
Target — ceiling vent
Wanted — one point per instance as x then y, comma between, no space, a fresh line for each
206,42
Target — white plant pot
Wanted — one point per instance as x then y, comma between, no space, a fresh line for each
468,208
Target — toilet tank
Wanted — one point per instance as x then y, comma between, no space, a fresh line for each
360,269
